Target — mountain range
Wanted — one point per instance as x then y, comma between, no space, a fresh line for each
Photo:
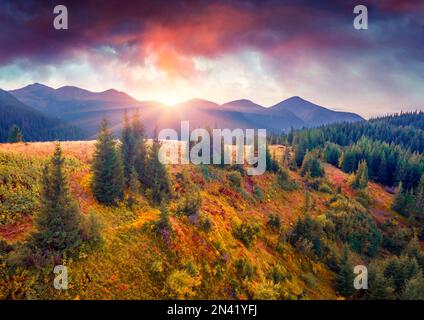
34,125
85,109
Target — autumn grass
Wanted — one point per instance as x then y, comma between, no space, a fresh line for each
135,263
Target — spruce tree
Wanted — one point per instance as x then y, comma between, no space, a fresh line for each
59,221
15,134
382,170
345,278
414,288
361,177
127,149
134,188
419,198
399,202
379,287
156,175
108,179
300,151
140,150
271,164
164,223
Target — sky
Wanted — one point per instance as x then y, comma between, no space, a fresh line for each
265,51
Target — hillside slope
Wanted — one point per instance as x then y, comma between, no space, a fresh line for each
211,262
35,125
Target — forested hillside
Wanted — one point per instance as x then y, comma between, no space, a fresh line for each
33,125
133,228
391,147
393,150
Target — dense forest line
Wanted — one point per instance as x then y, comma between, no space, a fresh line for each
34,126
395,129
393,154
411,119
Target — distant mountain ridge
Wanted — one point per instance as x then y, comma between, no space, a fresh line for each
85,109
35,125
312,113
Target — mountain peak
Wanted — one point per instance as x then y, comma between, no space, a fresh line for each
296,99
243,105
36,87
312,113
196,102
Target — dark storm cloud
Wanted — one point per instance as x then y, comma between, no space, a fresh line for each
207,28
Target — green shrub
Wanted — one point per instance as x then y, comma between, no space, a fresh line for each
274,221
191,204
205,223
258,193
181,285
325,188
19,188
309,280
284,180
306,236
235,178
312,166
244,269
363,198
278,273
246,233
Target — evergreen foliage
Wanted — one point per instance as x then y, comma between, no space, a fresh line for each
108,177
59,221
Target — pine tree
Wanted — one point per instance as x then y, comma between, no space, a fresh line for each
419,198
108,177
286,159
15,134
345,278
419,216
271,164
307,205
379,287
399,201
59,221
300,151
164,222
361,177
382,170
312,166
140,150
134,188
348,161
157,176
414,288
127,149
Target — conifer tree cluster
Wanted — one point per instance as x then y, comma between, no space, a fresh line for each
133,166
133,150
410,203
312,166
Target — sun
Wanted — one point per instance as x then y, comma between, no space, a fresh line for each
169,101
